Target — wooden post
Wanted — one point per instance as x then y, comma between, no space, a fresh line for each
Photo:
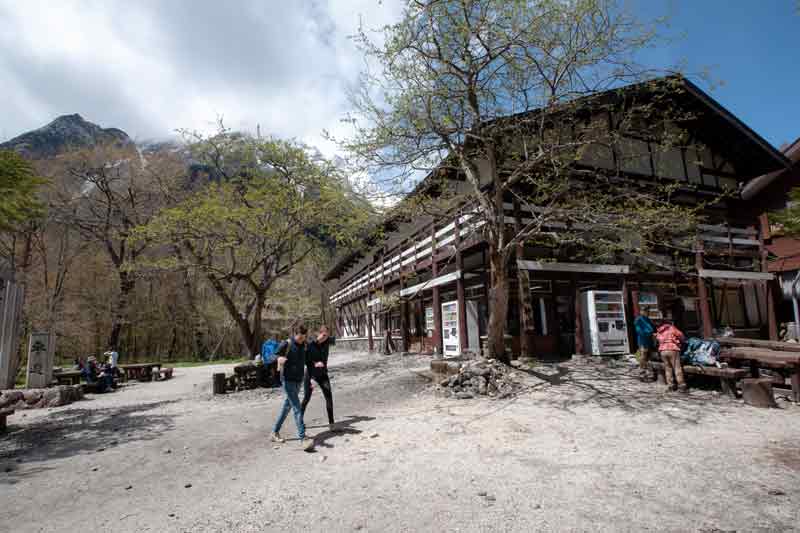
635,300
370,340
437,301
579,347
629,316
403,316
768,287
702,294
526,323
219,383
463,336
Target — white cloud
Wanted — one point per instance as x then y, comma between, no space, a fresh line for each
151,67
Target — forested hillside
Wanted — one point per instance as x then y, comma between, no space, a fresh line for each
180,250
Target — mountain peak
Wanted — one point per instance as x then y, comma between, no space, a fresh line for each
65,133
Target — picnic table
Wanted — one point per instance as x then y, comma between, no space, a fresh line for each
728,377
140,371
68,377
780,357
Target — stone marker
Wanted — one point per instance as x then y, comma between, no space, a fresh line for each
40,360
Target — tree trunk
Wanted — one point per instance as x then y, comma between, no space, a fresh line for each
16,357
255,341
200,326
240,319
498,307
126,285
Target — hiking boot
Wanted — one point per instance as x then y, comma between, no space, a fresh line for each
307,444
276,437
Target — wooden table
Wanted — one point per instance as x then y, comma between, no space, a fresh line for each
68,377
140,371
784,362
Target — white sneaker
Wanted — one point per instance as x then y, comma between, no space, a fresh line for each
276,437
307,444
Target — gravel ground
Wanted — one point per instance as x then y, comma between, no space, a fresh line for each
599,452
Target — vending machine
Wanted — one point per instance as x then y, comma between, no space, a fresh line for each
605,329
451,334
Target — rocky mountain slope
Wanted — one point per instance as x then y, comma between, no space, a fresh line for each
65,133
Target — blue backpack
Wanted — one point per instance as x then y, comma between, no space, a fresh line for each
269,351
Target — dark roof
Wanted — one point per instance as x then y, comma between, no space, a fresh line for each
747,149
755,186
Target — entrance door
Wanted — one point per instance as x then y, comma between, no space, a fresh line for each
450,342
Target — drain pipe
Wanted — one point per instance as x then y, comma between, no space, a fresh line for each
795,306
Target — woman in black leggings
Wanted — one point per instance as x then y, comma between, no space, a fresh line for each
317,365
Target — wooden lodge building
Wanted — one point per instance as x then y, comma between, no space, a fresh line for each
435,272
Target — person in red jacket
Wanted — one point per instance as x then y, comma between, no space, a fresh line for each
670,339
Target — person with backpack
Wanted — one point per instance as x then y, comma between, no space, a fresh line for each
291,366
670,340
644,339
317,366
269,356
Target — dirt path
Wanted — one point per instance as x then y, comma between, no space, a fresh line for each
601,452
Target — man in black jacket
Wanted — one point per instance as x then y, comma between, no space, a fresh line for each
291,365
317,363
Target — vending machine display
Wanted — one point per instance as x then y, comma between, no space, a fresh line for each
450,341
605,328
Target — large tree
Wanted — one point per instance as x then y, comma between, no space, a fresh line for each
267,206
496,93
106,193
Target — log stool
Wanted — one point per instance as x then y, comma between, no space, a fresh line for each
758,392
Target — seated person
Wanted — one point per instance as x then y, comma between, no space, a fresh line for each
96,376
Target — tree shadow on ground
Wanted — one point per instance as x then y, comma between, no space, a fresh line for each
620,388
71,432
344,428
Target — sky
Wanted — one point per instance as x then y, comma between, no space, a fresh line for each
150,67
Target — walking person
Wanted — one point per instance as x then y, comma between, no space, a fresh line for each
644,339
291,366
317,366
670,339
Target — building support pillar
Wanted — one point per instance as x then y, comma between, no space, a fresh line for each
437,300
526,322
702,295
370,340
463,335
579,325
403,317
768,286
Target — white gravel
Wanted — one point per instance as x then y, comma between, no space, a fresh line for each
600,452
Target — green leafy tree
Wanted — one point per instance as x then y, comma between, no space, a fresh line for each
789,218
268,205
18,187
500,94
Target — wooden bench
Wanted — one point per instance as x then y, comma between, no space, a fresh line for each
727,376
3,414
163,373
68,377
